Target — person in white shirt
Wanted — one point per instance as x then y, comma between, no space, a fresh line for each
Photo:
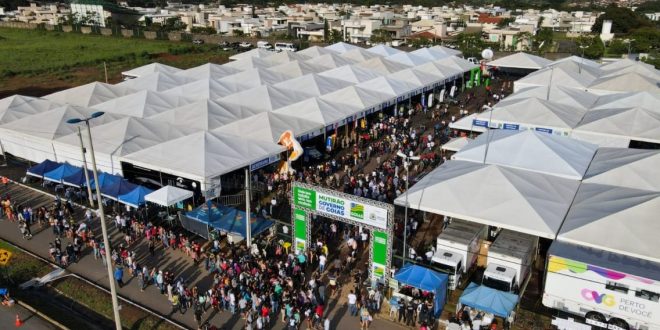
352,299
322,260
326,324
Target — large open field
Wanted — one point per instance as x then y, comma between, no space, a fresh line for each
36,62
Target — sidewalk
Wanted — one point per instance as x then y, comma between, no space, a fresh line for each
31,321
94,271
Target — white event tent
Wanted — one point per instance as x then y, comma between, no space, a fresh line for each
520,60
18,106
149,68
157,81
168,195
89,94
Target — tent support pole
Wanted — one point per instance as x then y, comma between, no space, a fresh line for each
248,229
84,159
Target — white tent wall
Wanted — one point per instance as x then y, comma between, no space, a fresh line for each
73,155
25,146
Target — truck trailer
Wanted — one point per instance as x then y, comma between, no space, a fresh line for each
510,260
457,250
602,289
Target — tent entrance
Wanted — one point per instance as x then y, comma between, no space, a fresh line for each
374,217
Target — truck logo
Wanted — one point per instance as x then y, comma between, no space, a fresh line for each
605,299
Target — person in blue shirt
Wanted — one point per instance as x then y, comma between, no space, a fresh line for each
119,276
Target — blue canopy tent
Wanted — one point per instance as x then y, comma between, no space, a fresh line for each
105,179
43,167
77,179
428,280
116,189
228,219
489,300
135,198
60,172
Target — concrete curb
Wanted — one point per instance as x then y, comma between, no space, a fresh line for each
40,314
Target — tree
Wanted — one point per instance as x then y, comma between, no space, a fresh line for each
543,40
380,36
505,22
617,47
173,24
646,39
470,44
593,47
326,30
623,20
336,36
420,42
203,30
238,33
527,37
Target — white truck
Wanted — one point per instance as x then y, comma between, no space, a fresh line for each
602,289
510,260
457,250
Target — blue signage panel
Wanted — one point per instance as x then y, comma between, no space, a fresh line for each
544,130
482,123
514,127
264,162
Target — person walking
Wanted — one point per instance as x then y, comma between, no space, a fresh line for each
119,276
352,300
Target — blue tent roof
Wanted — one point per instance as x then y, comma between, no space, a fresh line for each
489,300
420,277
113,191
135,198
77,179
228,219
43,167
60,172
106,180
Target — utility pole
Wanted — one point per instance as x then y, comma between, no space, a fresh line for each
84,159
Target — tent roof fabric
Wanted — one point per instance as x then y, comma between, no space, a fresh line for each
313,84
330,61
432,54
447,50
626,82
466,124
17,106
204,154
90,94
43,167
357,97
630,123
53,124
135,197
142,104
384,50
256,52
569,96
359,55
627,99
116,189
352,73
416,77
150,68
203,89
208,71
269,126
77,179
229,219
535,112
383,65
168,195
456,144
389,86
341,47
64,170
408,59
265,98
253,78
623,167
532,151
157,81
489,300
610,218
105,179
316,51
420,277
204,115
297,68
514,199
323,112
521,61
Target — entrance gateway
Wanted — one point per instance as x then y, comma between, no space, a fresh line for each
309,200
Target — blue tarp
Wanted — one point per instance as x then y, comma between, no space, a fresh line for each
427,280
60,172
116,189
135,198
228,219
106,180
43,167
489,300
77,179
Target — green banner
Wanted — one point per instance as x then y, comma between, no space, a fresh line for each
379,246
300,229
304,198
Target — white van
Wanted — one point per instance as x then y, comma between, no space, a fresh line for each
264,45
287,46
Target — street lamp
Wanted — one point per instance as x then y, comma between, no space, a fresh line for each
583,47
84,159
406,159
629,42
104,230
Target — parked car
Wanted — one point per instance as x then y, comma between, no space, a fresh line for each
198,41
285,46
226,46
245,44
264,45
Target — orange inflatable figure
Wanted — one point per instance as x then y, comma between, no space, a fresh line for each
288,140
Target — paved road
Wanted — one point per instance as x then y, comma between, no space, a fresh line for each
31,321
176,261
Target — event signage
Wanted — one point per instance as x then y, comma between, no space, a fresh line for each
513,127
264,162
543,130
300,225
323,203
379,247
481,123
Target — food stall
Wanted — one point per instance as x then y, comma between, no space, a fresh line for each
485,304
416,282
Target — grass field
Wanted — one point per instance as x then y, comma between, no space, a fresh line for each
38,62
36,50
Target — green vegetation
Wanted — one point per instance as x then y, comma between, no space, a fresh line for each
592,47
99,301
623,20
21,267
28,51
